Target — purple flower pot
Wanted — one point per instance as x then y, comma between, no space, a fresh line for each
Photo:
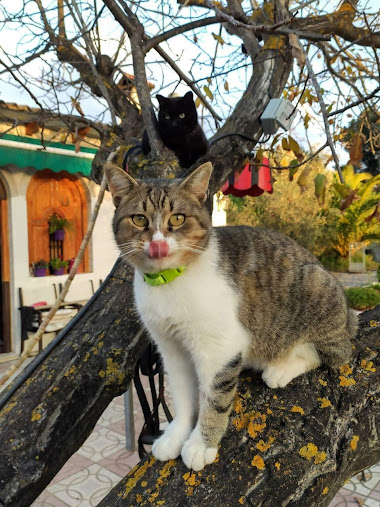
59,235
59,271
39,271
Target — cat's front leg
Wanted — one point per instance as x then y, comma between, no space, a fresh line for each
217,391
182,381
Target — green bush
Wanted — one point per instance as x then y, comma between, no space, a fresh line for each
334,262
378,273
362,298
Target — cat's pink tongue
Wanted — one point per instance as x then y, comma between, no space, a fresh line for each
158,249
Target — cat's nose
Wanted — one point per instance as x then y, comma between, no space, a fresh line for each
158,249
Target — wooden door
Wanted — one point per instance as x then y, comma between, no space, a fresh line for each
5,315
61,194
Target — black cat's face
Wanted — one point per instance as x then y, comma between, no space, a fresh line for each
177,114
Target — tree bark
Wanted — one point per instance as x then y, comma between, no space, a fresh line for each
53,412
293,446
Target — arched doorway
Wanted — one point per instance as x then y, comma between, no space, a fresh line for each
60,194
5,319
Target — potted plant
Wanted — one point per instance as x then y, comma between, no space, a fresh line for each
57,226
40,267
58,266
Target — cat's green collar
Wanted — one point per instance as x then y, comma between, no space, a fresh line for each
162,277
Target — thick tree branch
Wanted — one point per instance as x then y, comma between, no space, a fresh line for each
292,447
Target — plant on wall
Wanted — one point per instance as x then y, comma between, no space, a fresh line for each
58,266
40,267
58,225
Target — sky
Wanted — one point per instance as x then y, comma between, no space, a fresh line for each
10,39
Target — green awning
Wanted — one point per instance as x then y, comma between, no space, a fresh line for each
42,159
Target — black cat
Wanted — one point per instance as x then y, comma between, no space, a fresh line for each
179,129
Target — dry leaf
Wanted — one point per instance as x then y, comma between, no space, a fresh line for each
297,49
356,151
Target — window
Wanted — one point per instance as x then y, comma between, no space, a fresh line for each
62,195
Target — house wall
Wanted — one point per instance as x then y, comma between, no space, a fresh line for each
103,250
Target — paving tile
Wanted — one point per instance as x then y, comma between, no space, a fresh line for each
121,462
46,499
75,464
102,443
113,413
85,488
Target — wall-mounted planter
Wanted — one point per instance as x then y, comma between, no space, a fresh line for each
59,235
58,272
39,271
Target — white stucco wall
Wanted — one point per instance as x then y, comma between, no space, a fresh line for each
103,251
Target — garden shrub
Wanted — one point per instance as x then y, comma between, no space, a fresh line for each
362,298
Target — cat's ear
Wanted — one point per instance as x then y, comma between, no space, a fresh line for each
188,97
119,182
161,99
197,182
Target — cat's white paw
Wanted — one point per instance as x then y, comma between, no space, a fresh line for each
278,376
195,454
169,445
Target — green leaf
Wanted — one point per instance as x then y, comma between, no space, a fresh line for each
293,145
275,139
320,182
218,38
306,121
285,144
208,92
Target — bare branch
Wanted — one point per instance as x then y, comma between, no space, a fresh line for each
356,103
154,41
324,115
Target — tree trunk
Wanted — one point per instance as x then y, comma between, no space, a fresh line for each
55,409
293,446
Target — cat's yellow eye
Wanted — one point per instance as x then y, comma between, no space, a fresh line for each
181,115
177,219
167,116
140,220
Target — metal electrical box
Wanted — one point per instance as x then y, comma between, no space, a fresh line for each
278,113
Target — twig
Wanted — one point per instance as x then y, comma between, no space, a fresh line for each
356,103
61,298
91,52
21,83
324,113
188,81
154,41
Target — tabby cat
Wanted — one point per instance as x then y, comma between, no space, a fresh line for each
179,129
217,300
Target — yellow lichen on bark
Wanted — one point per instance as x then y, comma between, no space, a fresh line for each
310,452
325,402
258,462
298,409
368,366
138,474
264,446
345,369
354,442
345,382
325,491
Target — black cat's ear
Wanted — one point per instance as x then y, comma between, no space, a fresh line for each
119,182
197,182
161,99
188,97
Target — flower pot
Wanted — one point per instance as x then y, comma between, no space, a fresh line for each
59,271
39,271
59,234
